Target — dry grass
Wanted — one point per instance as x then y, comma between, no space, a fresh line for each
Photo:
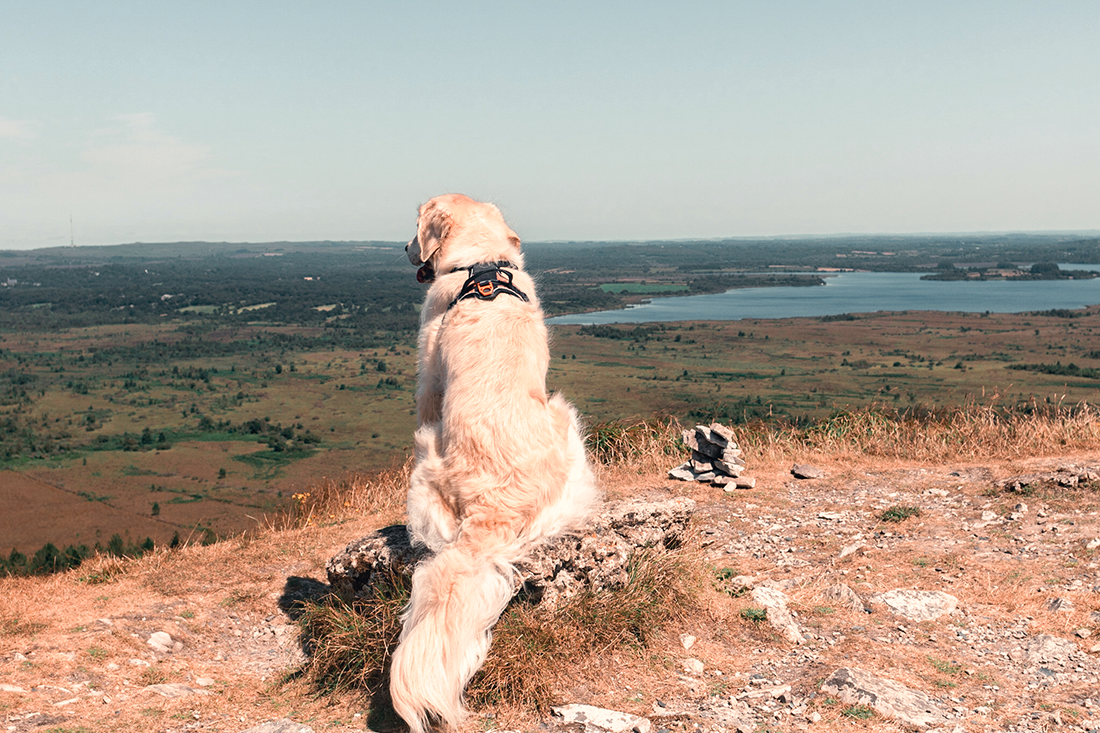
532,649
355,494
350,645
970,431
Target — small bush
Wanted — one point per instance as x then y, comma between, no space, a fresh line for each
531,646
723,583
945,667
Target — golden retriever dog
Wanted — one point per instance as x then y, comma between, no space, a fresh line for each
500,464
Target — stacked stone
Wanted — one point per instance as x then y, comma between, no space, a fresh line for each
715,459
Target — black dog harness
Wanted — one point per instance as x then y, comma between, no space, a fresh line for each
488,280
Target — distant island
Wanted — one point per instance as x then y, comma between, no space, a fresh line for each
1009,271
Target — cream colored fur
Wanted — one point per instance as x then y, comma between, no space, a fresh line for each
500,465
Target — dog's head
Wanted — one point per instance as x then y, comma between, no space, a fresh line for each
455,231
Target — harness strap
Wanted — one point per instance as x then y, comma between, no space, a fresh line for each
488,280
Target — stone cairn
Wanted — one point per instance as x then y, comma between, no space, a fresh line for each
715,459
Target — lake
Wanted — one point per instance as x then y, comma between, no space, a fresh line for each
859,292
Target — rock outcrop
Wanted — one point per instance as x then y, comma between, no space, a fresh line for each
594,559
1063,477
886,697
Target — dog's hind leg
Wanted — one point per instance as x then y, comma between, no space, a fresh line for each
579,494
432,520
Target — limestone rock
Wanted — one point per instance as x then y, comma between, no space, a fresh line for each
851,549
682,472
918,605
283,725
594,559
888,698
692,440
1065,476
600,720
806,471
730,468
715,458
721,715
173,690
775,604
701,466
163,642
1060,604
843,596
693,666
1044,649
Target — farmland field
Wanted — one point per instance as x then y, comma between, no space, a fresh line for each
124,433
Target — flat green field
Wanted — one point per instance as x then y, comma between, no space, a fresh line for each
134,426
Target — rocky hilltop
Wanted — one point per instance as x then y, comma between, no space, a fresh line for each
881,595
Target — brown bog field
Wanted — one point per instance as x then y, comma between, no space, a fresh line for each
143,430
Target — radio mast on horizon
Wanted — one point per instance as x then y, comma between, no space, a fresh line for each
72,240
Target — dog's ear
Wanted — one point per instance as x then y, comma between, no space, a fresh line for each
433,226
513,239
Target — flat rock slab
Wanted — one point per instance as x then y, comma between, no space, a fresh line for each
779,616
806,471
888,698
173,690
918,605
594,559
600,720
843,596
163,642
1065,476
1045,649
283,725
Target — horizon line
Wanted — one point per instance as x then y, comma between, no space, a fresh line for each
678,240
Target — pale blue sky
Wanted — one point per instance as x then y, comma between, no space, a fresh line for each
273,120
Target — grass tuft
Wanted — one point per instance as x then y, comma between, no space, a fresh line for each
531,647
636,441
350,644
754,614
858,712
899,513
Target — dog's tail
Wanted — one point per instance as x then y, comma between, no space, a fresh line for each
457,596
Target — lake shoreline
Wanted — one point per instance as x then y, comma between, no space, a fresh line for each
854,292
